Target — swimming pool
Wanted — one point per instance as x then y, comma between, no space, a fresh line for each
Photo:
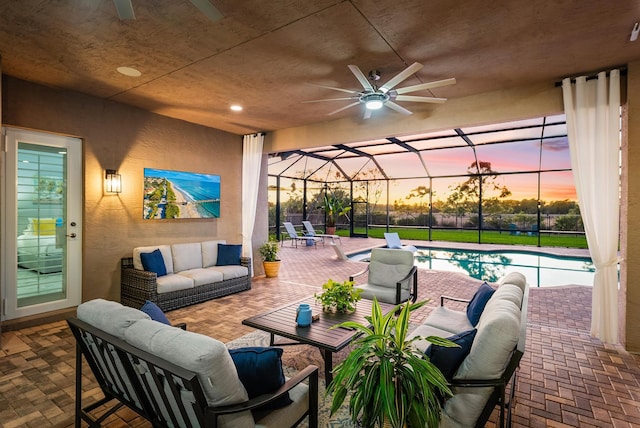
541,270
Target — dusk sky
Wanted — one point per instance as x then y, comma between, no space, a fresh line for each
525,154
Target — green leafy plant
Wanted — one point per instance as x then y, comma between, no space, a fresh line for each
269,250
333,209
388,378
341,296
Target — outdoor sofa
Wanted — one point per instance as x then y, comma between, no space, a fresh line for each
178,275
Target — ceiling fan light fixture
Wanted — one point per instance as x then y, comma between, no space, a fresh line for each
374,101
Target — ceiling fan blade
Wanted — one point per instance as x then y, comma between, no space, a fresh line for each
420,99
348,91
422,86
125,9
344,108
367,113
331,99
208,9
401,76
361,78
396,107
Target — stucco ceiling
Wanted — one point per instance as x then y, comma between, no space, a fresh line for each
262,54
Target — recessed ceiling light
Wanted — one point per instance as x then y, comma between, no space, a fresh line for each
236,107
129,71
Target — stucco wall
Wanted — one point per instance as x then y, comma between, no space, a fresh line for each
128,139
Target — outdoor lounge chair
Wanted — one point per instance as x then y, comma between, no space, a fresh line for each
392,276
311,231
393,242
292,235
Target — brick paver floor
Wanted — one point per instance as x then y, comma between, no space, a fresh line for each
566,378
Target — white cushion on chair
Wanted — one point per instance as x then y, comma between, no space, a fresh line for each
387,267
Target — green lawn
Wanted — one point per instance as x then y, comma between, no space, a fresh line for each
488,237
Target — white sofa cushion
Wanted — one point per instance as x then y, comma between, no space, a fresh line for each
515,278
210,252
203,355
186,256
230,271
166,256
109,316
425,330
202,276
173,282
286,416
498,332
509,292
449,320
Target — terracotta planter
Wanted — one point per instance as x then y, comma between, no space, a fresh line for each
271,269
331,230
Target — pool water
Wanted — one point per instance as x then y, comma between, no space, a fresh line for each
541,270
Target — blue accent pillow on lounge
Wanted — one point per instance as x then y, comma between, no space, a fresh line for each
449,359
260,371
478,302
153,262
228,254
155,312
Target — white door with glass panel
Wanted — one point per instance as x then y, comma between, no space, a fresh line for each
41,223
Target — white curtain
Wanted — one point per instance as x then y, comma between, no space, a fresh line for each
251,161
593,127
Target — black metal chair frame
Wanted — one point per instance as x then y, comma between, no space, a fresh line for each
116,366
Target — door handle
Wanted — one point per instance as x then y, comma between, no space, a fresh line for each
71,235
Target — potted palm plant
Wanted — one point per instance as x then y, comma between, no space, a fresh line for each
333,209
269,253
389,380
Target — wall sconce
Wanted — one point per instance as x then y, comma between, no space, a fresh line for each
113,181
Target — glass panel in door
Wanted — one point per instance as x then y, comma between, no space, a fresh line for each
41,240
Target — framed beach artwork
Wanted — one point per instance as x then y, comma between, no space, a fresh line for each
179,194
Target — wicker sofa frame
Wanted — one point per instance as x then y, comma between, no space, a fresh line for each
137,286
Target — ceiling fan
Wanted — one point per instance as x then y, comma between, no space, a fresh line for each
125,9
375,97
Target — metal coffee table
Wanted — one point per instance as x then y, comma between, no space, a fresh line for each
282,322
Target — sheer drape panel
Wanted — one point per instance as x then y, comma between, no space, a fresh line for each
593,129
251,161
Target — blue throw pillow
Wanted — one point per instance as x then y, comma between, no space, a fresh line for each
228,254
155,312
260,371
478,302
449,359
153,262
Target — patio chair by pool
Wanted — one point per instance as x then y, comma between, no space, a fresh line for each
392,276
513,229
393,242
534,230
338,249
311,231
292,235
